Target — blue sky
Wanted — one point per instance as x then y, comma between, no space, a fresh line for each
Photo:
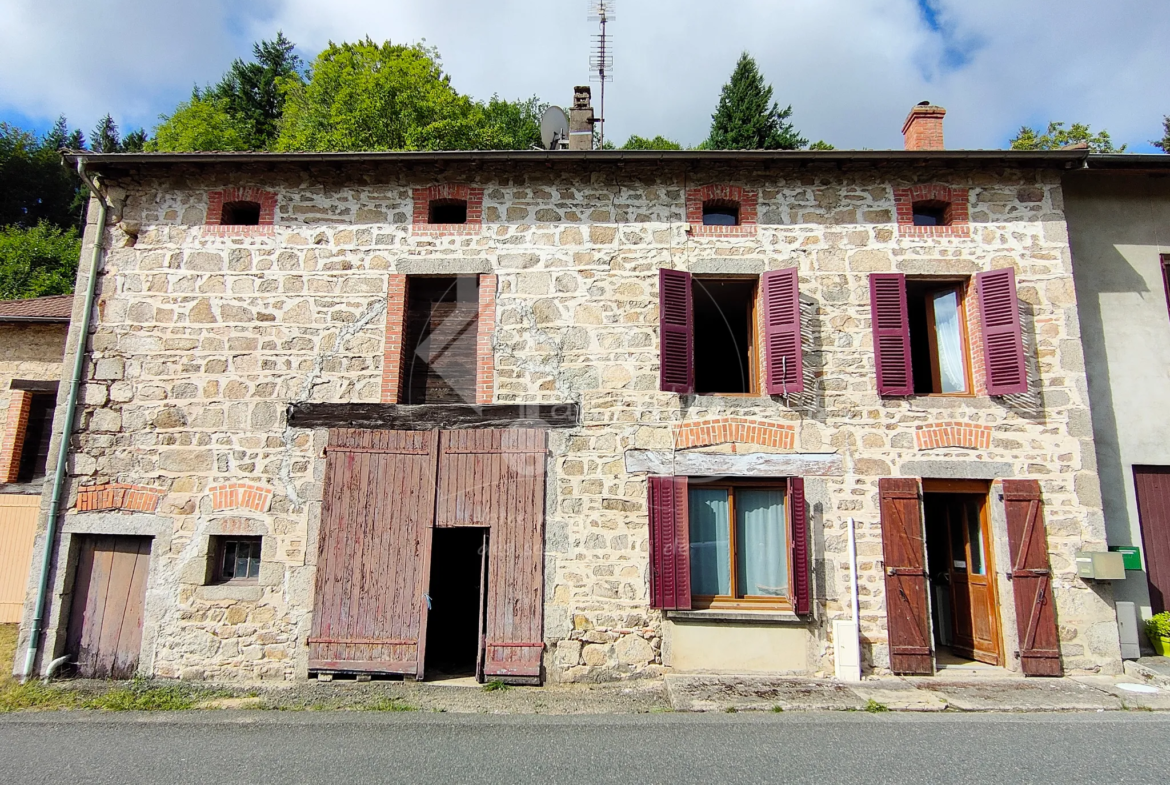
850,68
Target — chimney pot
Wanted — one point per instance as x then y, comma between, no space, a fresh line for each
923,129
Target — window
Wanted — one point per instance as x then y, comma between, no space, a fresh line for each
439,359
933,210
240,214
720,212
725,351
447,211
34,453
938,336
739,537
931,213
235,559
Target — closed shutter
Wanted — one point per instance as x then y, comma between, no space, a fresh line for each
891,333
1153,502
907,621
676,368
785,371
1003,343
1031,579
801,579
670,544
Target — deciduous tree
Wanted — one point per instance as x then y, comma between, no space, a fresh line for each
1057,136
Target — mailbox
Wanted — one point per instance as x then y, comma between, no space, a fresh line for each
1101,565
1131,554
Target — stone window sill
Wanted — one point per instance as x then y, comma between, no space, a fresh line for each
247,592
752,617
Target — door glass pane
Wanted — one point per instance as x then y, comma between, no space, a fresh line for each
710,542
958,542
761,544
975,537
949,337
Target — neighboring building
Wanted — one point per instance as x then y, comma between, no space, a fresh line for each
581,416
32,341
1118,210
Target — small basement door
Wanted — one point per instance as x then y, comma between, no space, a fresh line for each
109,594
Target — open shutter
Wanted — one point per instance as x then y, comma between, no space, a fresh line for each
785,372
670,544
1003,343
676,368
891,333
801,580
1031,579
907,620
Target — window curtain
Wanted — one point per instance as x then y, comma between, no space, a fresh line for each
710,542
950,342
761,543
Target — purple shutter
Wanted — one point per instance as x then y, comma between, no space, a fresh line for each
676,370
801,579
1003,342
891,333
785,372
670,544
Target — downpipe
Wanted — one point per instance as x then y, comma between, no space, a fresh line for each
34,637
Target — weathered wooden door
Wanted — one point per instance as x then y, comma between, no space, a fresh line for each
1153,498
379,502
1031,579
104,637
495,478
907,619
973,614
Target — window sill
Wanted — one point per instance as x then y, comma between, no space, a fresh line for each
248,592
728,615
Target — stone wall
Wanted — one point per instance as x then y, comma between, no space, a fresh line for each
29,351
203,338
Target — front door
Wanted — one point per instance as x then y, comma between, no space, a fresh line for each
1153,498
109,594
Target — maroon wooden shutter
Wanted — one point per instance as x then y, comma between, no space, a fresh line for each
670,544
801,580
1031,579
1153,501
785,372
891,333
907,621
677,369
1003,343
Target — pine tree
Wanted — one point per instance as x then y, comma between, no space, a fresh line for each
251,93
105,138
747,118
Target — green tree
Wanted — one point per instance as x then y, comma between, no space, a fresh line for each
821,144
37,260
105,138
1163,144
513,125
636,142
250,92
34,184
747,118
203,123
1057,136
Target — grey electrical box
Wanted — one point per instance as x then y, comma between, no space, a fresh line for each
1100,565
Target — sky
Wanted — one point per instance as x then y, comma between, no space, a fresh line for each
851,69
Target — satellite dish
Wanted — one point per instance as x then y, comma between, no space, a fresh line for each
554,128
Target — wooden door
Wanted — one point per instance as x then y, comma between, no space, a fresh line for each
373,550
1153,498
18,529
495,478
104,637
908,621
1031,579
973,617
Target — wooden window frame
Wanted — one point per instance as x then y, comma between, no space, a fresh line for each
218,550
753,339
960,286
731,601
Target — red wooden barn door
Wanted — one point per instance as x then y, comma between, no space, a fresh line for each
109,594
1031,579
907,619
379,502
495,478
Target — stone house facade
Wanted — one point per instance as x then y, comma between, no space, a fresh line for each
230,363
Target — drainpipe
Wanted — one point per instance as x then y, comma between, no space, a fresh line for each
66,428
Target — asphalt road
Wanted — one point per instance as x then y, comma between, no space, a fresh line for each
268,747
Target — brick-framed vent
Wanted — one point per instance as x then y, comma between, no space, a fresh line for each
235,495
971,436
446,194
12,440
118,496
485,358
951,203
231,211
746,200
744,430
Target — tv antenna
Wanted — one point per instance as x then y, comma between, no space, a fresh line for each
601,55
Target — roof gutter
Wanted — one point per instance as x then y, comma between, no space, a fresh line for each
37,319
65,427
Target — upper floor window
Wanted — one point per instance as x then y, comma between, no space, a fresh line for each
938,336
24,445
720,212
243,211
448,208
447,211
439,358
932,211
240,214
724,324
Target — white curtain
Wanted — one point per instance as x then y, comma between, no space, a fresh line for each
710,542
950,342
761,543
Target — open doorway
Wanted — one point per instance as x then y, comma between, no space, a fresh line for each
962,575
455,620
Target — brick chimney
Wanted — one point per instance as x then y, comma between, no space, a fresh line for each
581,120
923,129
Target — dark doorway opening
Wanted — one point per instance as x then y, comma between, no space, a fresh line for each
456,615
724,315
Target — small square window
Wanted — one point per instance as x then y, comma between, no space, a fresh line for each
235,559
932,213
720,212
447,211
241,214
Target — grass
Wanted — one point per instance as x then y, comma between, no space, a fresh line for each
873,707
7,652
136,695
383,703
731,710
495,685
777,709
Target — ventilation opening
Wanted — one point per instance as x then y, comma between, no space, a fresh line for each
724,315
720,212
458,567
241,214
34,453
932,213
938,337
442,325
447,211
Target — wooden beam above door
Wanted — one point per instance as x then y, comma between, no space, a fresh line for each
430,417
